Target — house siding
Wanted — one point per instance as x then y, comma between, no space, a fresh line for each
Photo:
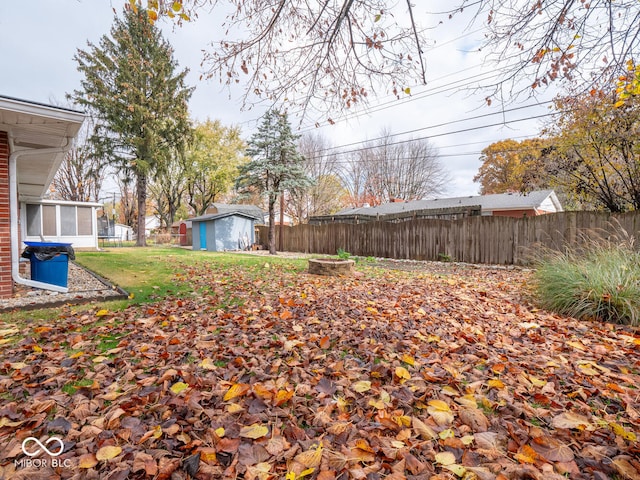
516,213
6,282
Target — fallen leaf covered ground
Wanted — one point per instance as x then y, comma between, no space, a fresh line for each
269,373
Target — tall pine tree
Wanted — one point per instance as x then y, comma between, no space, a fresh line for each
131,87
276,165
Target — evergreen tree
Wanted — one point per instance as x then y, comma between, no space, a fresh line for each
276,165
131,87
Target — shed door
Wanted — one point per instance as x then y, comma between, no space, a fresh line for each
203,236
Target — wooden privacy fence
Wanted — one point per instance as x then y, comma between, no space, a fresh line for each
495,240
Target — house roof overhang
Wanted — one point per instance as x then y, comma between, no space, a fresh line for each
33,127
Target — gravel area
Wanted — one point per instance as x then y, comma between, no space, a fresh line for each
83,286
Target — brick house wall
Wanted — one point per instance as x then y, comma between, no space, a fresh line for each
6,282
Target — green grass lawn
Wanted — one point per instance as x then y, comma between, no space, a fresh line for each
152,273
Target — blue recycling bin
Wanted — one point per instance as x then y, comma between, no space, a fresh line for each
49,261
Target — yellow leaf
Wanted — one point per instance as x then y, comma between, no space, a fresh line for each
108,452
236,390
403,420
362,386
536,381
310,458
622,432
587,368
88,460
254,431
467,440
178,387
407,90
282,397
153,16
457,470
220,432
408,359
402,373
131,296
306,472
450,391
37,349
495,383
234,408
440,412
445,458
99,359
439,405
102,313
207,454
208,364
577,345
448,433
177,6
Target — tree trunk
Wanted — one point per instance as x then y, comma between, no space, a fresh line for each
141,191
272,225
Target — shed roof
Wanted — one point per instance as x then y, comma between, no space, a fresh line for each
252,210
216,216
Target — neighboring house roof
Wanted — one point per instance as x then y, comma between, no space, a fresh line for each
216,216
545,200
34,126
251,210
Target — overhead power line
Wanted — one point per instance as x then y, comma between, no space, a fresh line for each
452,122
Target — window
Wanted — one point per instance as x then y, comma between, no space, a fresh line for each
33,220
73,221
85,222
67,221
49,220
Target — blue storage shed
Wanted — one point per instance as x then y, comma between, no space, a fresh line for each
221,232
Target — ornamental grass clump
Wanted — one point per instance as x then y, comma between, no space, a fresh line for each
597,281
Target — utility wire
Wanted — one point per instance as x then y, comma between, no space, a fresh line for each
464,130
444,124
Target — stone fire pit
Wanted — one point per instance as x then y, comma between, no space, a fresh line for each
329,266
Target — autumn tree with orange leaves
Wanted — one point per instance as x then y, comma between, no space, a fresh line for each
507,164
594,150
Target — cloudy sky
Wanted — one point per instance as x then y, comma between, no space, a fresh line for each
38,39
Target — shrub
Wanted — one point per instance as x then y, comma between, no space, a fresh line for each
600,280
343,255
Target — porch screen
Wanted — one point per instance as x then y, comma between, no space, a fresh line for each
85,223
67,220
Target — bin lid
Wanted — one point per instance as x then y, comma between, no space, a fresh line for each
46,244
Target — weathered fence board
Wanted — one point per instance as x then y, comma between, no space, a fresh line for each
495,240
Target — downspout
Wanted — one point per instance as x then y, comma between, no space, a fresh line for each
15,213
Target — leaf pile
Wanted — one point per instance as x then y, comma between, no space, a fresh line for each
265,373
